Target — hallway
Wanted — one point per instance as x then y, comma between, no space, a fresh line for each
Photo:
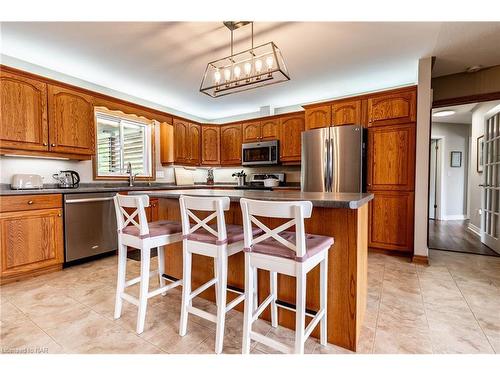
453,235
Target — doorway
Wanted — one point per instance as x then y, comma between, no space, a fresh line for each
456,212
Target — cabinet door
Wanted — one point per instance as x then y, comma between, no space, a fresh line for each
270,130
23,113
230,144
391,221
291,128
194,140
71,121
318,117
392,108
152,210
181,145
30,240
210,145
251,132
166,143
346,113
391,157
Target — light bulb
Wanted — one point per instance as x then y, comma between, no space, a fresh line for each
269,62
227,74
217,77
237,71
247,68
258,66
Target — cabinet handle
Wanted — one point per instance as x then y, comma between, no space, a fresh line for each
52,145
45,143
30,202
59,215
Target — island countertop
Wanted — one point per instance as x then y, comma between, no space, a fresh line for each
328,200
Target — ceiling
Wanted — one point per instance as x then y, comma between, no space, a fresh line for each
462,115
164,62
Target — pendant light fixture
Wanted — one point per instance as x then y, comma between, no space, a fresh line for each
256,67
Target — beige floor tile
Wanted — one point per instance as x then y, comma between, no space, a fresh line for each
10,313
169,340
25,337
286,336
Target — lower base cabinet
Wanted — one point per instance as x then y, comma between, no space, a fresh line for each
31,242
391,221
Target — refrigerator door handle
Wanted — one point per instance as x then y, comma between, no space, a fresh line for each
326,171
330,166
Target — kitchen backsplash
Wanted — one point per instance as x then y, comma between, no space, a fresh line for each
47,167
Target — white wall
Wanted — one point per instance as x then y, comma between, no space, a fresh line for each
454,137
479,116
424,102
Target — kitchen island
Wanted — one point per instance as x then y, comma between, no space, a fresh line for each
343,216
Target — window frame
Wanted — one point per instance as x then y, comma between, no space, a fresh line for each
152,130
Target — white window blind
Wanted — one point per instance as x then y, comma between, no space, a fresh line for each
121,141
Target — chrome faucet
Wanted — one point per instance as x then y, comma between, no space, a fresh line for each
131,176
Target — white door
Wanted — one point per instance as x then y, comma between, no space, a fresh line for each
490,232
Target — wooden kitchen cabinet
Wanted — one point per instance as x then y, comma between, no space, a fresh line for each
71,121
23,113
291,128
166,143
152,213
194,140
251,131
391,220
318,117
31,237
394,108
230,144
187,137
210,145
391,157
346,112
270,129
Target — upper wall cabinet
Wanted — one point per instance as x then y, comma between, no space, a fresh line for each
251,131
346,113
71,121
391,157
291,128
392,108
318,117
210,145
230,144
194,140
181,145
23,113
270,129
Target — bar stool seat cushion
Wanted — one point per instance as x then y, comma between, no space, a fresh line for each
156,228
234,234
314,244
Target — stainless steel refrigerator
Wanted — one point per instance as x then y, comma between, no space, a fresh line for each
333,159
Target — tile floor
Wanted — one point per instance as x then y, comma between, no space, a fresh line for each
452,306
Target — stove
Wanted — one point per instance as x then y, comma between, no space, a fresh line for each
257,181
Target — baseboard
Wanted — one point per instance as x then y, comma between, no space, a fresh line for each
421,259
454,217
474,229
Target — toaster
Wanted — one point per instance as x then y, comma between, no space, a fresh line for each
26,181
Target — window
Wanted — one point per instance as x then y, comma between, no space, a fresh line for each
122,139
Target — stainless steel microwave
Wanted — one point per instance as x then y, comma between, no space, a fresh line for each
260,153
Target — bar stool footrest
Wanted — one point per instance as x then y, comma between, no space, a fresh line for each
202,314
271,343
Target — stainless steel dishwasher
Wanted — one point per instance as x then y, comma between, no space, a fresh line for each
89,225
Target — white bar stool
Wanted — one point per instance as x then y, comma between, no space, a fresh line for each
292,253
142,236
218,241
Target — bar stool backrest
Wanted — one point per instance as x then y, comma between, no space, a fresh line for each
216,205
123,218
295,210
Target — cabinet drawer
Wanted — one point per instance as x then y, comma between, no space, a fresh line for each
30,202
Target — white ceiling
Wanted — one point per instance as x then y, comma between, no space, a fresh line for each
164,62
462,115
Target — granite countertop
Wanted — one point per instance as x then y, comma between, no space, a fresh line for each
330,200
111,187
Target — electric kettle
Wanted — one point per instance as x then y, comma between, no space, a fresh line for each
67,179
